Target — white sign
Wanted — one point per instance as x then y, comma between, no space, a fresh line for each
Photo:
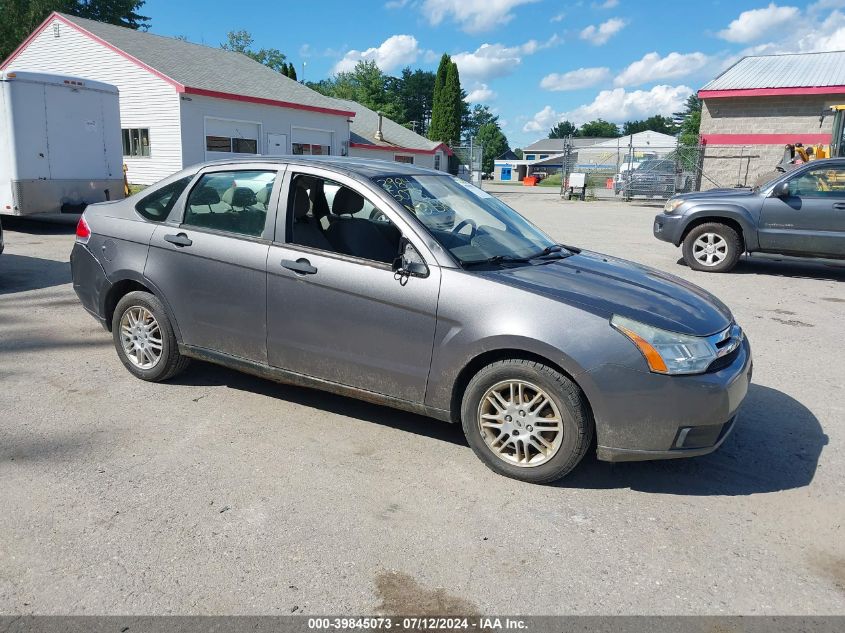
577,180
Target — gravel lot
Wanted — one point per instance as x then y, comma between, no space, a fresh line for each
223,493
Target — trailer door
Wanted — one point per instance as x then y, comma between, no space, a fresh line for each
75,133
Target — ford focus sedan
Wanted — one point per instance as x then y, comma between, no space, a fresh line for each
413,289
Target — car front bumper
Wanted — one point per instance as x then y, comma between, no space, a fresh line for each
645,416
668,227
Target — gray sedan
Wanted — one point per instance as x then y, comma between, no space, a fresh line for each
413,289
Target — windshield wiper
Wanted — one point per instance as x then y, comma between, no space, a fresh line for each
496,259
554,249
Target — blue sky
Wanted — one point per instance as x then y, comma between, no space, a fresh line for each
533,62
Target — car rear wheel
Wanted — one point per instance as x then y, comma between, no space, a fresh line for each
526,420
712,247
144,339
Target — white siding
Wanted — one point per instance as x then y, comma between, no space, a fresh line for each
146,101
270,119
420,160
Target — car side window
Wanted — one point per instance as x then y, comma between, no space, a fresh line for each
821,182
332,217
231,201
158,205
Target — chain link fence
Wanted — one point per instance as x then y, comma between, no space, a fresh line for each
466,162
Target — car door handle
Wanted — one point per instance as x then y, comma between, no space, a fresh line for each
301,266
839,205
180,239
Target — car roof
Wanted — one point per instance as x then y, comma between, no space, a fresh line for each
366,167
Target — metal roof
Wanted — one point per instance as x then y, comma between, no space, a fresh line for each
364,126
798,70
204,67
558,144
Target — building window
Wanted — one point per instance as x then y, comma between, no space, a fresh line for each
244,146
308,149
529,157
399,158
136,141
218,144
231,145
437,161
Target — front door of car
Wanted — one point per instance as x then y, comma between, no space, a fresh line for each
810,217
336,310
210,261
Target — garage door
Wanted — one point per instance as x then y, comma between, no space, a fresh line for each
226,138
311,142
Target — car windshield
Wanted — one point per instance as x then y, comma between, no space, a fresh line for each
470,223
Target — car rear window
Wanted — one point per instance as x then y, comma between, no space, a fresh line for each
157,205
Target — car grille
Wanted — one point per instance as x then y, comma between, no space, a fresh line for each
728,344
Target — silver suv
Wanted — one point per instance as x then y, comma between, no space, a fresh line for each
416,290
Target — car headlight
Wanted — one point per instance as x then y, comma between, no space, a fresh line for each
668,352
672,204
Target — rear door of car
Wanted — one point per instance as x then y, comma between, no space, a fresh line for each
210,259
346,319
811,219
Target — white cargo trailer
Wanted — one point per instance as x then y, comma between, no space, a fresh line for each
60,145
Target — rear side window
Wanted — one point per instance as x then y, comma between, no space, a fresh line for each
231,201
158,204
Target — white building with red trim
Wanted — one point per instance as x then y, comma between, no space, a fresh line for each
760,104
372,135
184,103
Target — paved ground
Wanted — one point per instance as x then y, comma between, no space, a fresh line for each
223,493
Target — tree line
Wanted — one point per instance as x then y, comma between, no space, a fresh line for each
685,124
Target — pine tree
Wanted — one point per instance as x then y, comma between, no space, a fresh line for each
436,129
452,106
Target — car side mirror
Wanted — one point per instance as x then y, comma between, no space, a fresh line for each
409,263
781,190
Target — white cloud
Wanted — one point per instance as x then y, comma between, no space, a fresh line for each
496,60
821,31
395,51
474,16
575,79
481,92
653,67
543,120
396,4
607,4
756,24
616,105
559,17
598,35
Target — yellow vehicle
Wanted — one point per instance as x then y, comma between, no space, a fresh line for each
799,153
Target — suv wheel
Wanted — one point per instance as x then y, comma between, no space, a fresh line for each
144,338
712,247
526,421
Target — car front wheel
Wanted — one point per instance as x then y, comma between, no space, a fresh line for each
526,420
144,338
712,247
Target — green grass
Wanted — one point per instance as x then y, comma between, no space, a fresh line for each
133,189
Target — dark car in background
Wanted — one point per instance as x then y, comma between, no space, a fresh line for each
413,289
798,214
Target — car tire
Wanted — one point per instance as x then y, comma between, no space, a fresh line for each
712,247
140,323
567,404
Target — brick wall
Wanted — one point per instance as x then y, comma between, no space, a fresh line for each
729,165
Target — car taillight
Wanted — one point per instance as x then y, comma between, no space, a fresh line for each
83,232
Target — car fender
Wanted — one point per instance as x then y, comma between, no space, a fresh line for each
705,212
127,274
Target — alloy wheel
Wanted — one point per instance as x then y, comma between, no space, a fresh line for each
710,249
140,336
520,423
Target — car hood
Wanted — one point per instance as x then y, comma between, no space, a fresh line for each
606,286
722,194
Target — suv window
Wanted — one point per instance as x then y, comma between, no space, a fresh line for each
821,182
232,201
328,216
157,205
